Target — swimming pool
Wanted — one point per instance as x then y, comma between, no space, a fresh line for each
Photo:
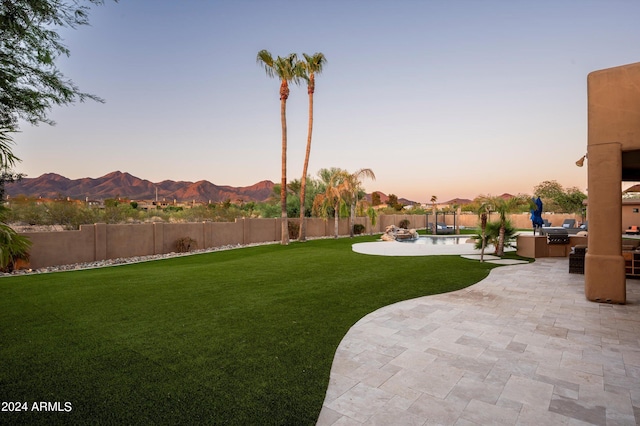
423,246
448,240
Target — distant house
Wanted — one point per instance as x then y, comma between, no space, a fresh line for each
459,202
630,213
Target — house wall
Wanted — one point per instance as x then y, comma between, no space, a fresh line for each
613,108
630,215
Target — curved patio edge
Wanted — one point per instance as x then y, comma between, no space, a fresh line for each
522,346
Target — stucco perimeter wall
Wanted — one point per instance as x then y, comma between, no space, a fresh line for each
415,221
62,248
124,240
101,241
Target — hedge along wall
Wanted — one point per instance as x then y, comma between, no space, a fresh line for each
101,241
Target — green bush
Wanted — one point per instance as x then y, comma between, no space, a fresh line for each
358,229
404,224
13,246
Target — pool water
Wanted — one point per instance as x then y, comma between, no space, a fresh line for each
458,239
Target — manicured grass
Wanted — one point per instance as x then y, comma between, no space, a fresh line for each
241,337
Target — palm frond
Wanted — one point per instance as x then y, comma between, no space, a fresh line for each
13,246
315,63
265,59
7,159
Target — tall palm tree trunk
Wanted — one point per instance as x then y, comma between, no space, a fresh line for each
352,216
284,94
500,248
303,180
336,215
483,225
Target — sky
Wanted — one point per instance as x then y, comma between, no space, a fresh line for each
447,98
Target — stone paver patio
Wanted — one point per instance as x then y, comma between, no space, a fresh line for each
523,346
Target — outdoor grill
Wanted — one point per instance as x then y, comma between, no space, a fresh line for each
557,236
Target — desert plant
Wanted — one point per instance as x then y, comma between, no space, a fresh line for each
185,244
13,247
504,206
294,230
358,229
492,235
404,224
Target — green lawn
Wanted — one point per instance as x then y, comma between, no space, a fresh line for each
241,337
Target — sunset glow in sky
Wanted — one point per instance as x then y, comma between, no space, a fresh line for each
446,98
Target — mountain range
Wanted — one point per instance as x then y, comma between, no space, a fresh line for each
124,185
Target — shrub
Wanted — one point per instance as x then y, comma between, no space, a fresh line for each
13,247
358,229
185,244
404,224
492,234
294,230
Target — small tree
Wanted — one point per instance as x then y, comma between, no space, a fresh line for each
29,46
30,82
492,234
353,187
559,200
504,206
332,198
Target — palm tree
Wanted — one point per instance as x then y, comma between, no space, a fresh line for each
483,209
504,206
434,205
286,69
492,235
312,65
335,189
353,186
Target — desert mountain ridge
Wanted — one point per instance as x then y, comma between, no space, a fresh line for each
124,185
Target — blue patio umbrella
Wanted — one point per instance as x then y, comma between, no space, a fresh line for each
536,215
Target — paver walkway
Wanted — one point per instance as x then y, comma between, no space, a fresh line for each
523,346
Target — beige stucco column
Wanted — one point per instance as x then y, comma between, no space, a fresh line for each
605,279
613,134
